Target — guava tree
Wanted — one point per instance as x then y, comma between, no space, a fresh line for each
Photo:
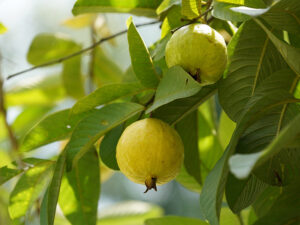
239,124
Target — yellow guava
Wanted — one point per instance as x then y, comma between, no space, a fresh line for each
199,50
150,152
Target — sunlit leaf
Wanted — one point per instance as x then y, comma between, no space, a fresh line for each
175,220
141,7
8,173
3,29
140,58
54,127
166,5
171,21
191,8
29,188
80,21
47,47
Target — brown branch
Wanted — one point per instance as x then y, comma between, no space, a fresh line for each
56,61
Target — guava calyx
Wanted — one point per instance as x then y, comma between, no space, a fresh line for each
150,183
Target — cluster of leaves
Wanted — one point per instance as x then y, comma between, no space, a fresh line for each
241,135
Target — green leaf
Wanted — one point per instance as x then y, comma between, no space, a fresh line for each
2,29
141,7
265,200
28,189
212,192
223,11
91,128
238,2
175,84
284,15
44,209
188,131
175,220
289,53
225,129
285,209
41,92
54,187
140,59
72,78
188,181
242,193
191,8
55,127
178,109
48,47
166,5
79,22
108,147
80,190
28,118
263,131
242,164
250,62
106,71
171,21
8,173
129,213
106,94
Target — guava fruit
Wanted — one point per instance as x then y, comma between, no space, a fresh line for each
199,50
150,152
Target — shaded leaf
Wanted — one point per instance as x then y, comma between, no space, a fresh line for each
250,63
212,192
242,164
8,173
48,47
44,210
288,52
106,94
106,71
54,187
285,209
140,58
72,78
28,189
175,84
242,193
223,11
188,130
80,190
174,220
54,127
141,7
108,147
178,109
91,128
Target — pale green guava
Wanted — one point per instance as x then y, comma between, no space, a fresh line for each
199,50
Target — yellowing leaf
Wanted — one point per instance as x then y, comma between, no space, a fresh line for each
191,8
80,21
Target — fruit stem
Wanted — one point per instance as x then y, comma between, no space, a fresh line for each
150,183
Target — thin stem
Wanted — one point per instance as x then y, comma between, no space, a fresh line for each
240,218
52,62
12,138
92,61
